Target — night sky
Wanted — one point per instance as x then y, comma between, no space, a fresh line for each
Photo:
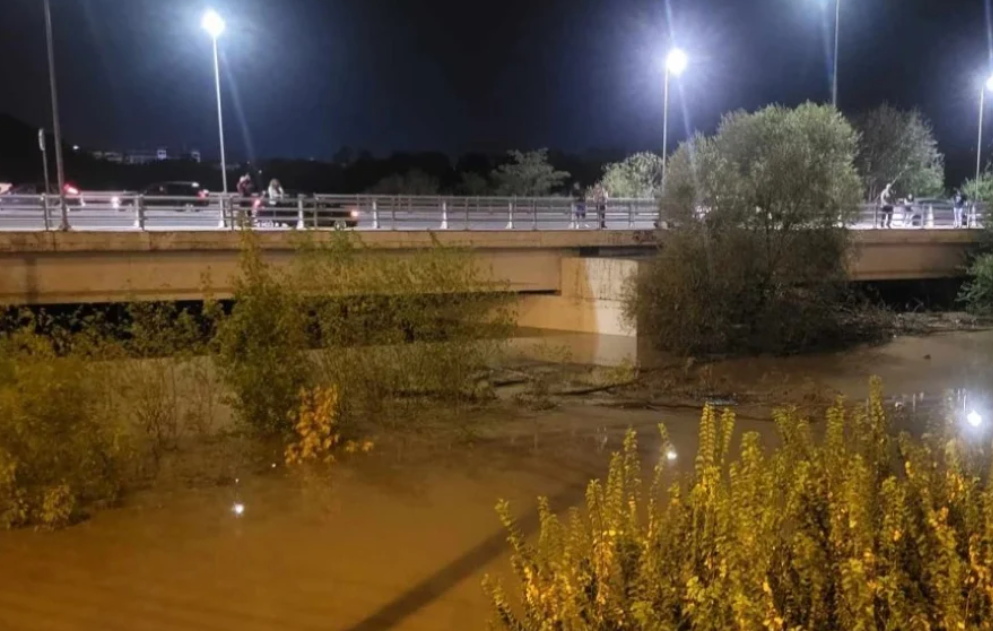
304,77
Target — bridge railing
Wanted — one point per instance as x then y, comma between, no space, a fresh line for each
129,211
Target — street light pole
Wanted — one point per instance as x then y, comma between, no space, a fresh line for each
214,25
834,73
979,142
56,127
982,108
665,124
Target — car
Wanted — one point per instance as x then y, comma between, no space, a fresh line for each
176,195
28,195
285,211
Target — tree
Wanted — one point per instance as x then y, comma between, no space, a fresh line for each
528,175
758,261
637,176
474,184
413,182
898,147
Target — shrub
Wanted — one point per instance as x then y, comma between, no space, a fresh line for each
859,529
261,344
977,292
397,330
62,449
757,261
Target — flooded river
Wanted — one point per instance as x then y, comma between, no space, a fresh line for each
399,538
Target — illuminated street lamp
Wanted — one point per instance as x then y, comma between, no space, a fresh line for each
214,24
982,106
675,64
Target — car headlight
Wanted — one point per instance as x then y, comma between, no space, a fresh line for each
354,213
115,202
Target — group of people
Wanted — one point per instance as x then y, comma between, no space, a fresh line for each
246,188
598,196
914,213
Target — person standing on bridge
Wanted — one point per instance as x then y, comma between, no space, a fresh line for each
600,199
886,207
958,203
578,206
245,186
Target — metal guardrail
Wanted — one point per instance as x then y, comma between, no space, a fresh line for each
127,211
120,211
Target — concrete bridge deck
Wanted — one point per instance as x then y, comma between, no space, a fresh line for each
81,267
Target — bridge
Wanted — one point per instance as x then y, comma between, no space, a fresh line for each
569,275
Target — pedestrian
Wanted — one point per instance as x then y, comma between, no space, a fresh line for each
578,206
245,186
600,198
958,203
886,206
275,190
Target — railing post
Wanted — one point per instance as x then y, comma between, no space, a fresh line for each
300,221
630,214
534,214
139,212
444,214
468,226
46,212
375,214
930,216
510,215
393,213
221,223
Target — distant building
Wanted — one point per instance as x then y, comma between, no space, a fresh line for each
110,156
146,156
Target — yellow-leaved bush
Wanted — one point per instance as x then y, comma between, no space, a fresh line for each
317,429
852,528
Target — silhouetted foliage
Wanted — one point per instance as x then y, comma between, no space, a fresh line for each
898,147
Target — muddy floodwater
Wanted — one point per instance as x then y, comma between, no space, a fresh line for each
401,537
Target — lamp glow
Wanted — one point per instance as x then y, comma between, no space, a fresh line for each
974,418
676,62
213,23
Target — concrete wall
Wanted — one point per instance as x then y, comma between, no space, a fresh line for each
77,267
590,300
911,254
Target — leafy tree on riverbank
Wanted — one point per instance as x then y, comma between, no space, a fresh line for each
637,176
757,261
898,147
852,528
